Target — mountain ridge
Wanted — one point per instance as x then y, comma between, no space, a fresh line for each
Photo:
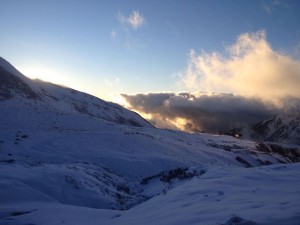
281,128
14,85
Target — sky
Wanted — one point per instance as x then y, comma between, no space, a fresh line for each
236,52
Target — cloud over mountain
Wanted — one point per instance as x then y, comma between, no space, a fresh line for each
259,82
201,111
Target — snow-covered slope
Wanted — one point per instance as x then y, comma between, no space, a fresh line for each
283,128
35,97
69,158
223,196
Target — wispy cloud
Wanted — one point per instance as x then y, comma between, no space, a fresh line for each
267,8
127,30
270,5
112,83
135,20
113,34
250,68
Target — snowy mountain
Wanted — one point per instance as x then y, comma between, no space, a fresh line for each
70,158
36,97
284,128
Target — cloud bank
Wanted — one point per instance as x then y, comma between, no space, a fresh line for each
198,112
259,81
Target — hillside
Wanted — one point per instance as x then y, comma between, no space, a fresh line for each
67,157
283,128
35,97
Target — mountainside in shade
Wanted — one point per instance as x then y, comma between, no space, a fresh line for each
35,97
70,158
283,128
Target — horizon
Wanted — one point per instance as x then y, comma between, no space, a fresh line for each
176,63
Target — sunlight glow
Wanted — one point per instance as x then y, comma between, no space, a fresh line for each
55,77
117,98
179,123
45,74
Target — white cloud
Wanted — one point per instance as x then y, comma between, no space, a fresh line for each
126,32
135,19
251,68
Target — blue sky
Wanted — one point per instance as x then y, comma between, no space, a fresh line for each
111,47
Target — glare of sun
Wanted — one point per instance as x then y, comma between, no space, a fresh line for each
179,122
55,77
45,74
119,99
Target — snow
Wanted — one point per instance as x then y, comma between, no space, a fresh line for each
265,195
76,171
253,194
282,128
